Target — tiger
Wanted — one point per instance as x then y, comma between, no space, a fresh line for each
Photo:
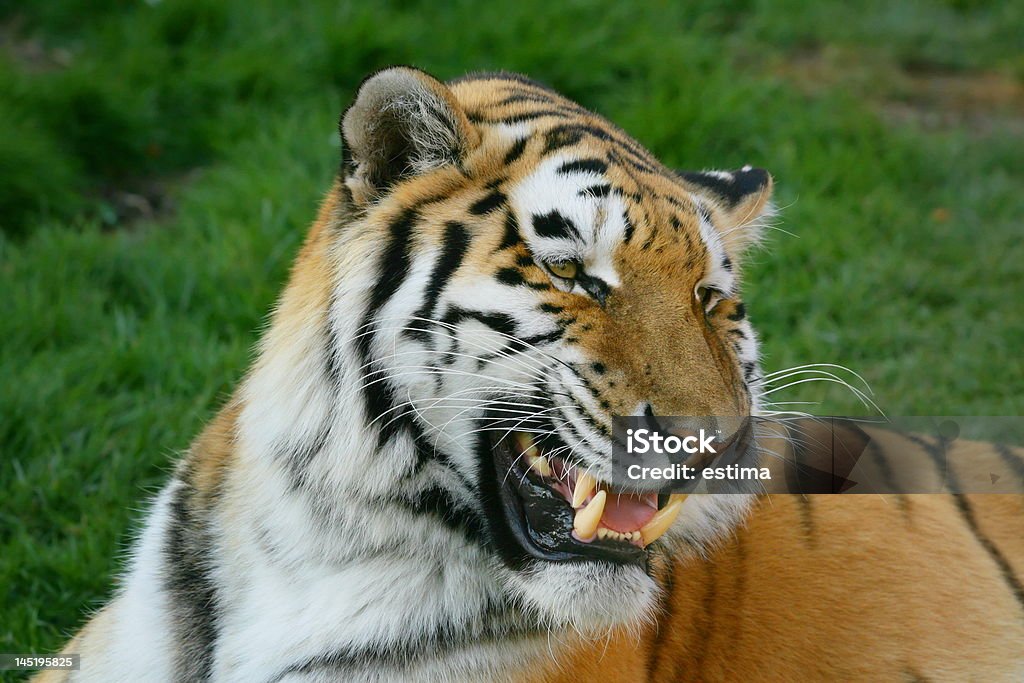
412,482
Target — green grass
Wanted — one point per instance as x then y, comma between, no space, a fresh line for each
121,337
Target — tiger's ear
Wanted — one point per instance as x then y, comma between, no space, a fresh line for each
742,200
402,122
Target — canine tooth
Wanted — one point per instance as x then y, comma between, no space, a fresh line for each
524,442
586,520
585,484
662,519
540,465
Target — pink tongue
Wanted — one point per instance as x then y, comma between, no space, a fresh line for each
626,513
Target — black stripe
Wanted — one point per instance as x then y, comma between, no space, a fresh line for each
665,618
516,151
707,625
630,228
748,370
494,625
456,243
378,396
517,95
1012,582
544,338
510,277
937,452
511,236
193,601
589,417
440,504
884,468
297,456
596,191
502,323
394,266
522,116
635,156
488,203
554,225
561,136
525,96
739,312
804,505
1015,462
332,364
583,166
807,519
889,483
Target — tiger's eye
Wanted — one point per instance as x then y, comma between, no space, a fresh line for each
564,269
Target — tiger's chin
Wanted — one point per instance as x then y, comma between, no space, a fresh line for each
590,597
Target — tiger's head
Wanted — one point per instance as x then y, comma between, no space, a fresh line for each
507,272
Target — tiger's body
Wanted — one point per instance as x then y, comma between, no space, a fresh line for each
494,260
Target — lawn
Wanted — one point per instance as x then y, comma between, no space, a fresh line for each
160,161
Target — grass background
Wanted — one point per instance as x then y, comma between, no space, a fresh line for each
159,163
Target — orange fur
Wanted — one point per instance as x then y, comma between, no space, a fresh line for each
847,588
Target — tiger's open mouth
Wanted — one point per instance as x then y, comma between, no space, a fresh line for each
555,511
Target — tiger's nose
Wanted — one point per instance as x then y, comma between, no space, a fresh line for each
679,424
726,430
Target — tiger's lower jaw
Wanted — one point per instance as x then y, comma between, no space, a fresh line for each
588,598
